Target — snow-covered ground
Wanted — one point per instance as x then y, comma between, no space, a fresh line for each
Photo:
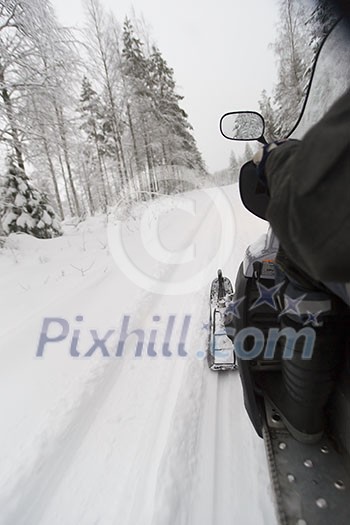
88,437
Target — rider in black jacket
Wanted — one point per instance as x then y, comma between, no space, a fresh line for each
309,210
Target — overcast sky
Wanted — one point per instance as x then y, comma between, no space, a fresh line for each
219,51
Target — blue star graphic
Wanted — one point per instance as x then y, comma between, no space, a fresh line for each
232,308
291,306
312,318
266,296
205,326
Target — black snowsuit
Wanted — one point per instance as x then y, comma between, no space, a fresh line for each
309,184
309,210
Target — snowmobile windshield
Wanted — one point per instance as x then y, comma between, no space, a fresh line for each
329,80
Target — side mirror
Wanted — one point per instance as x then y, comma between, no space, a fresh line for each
243,125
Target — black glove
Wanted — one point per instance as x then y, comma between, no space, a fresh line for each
261,157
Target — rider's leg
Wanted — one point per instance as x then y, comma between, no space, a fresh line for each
307,380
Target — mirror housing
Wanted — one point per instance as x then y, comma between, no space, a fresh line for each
243,125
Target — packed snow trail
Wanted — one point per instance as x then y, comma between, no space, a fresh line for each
126,440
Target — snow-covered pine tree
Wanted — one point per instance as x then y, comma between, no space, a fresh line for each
247,154
158,126
234,168
24,208
267,111
178,145
91,119
139,114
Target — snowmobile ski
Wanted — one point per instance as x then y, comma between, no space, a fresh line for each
220,353
311,483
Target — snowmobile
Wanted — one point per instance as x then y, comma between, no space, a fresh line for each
311,481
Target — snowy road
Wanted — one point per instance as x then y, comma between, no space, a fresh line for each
90,438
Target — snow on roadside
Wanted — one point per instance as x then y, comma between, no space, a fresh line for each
99,439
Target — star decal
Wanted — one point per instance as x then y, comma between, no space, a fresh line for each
266,296
205,326
312,318
292,305
232,308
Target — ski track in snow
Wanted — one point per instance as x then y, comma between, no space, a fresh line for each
133,441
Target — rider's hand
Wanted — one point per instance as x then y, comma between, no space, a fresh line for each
260,159
263,152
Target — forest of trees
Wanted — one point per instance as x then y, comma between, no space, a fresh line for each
90,117
85,117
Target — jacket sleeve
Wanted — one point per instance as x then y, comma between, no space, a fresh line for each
309,183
